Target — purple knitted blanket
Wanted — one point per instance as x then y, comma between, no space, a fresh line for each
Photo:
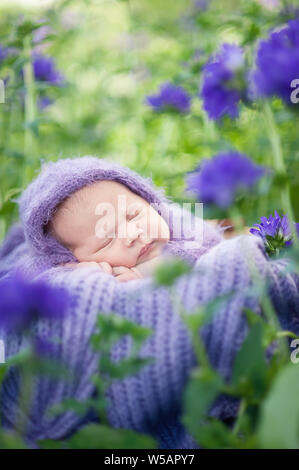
151,401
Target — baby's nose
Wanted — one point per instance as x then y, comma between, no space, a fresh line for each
133,233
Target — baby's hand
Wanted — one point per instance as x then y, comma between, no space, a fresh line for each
124,274
148,267
103,266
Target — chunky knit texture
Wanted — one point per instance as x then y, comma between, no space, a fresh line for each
151,401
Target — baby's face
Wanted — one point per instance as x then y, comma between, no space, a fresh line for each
106,221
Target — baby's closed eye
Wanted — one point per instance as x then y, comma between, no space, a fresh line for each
107,243
102,231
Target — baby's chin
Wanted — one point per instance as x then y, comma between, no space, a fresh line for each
154,253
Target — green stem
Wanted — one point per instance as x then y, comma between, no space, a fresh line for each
267,307
287,334
242,409
6,109
237,219
129,4
101,400
280,167
265,301
30,112
24,400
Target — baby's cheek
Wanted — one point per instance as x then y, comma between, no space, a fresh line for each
154,226
158,227
164,230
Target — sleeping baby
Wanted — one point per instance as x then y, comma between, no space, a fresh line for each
108,225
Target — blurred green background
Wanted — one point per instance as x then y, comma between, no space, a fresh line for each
112,54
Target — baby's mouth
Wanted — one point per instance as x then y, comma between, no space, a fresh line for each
146,249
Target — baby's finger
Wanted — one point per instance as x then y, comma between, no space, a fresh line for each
119,269
137,272
106,267
127,276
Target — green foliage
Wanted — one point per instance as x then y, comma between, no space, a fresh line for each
103,437
279,426
96,436
255,382
10,440
202,389
166,273
120,53
111,329
250,368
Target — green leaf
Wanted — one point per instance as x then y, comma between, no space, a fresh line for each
12,192
20,358
27,27
3,369
112,327
215,435
249,373
205,313
199,395
194,321
51,444
123,368
96,436
252,33
10,440
81,408
51,368
269,332
279,421
2,228
166,274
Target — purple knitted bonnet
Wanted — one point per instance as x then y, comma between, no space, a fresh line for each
58,180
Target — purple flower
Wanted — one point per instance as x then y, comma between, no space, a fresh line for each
22,302
7,52
201,5
45,70
277,63
218,180
269,4
44,102
170,97
3,53
275,232
224,82
289,11
41,33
